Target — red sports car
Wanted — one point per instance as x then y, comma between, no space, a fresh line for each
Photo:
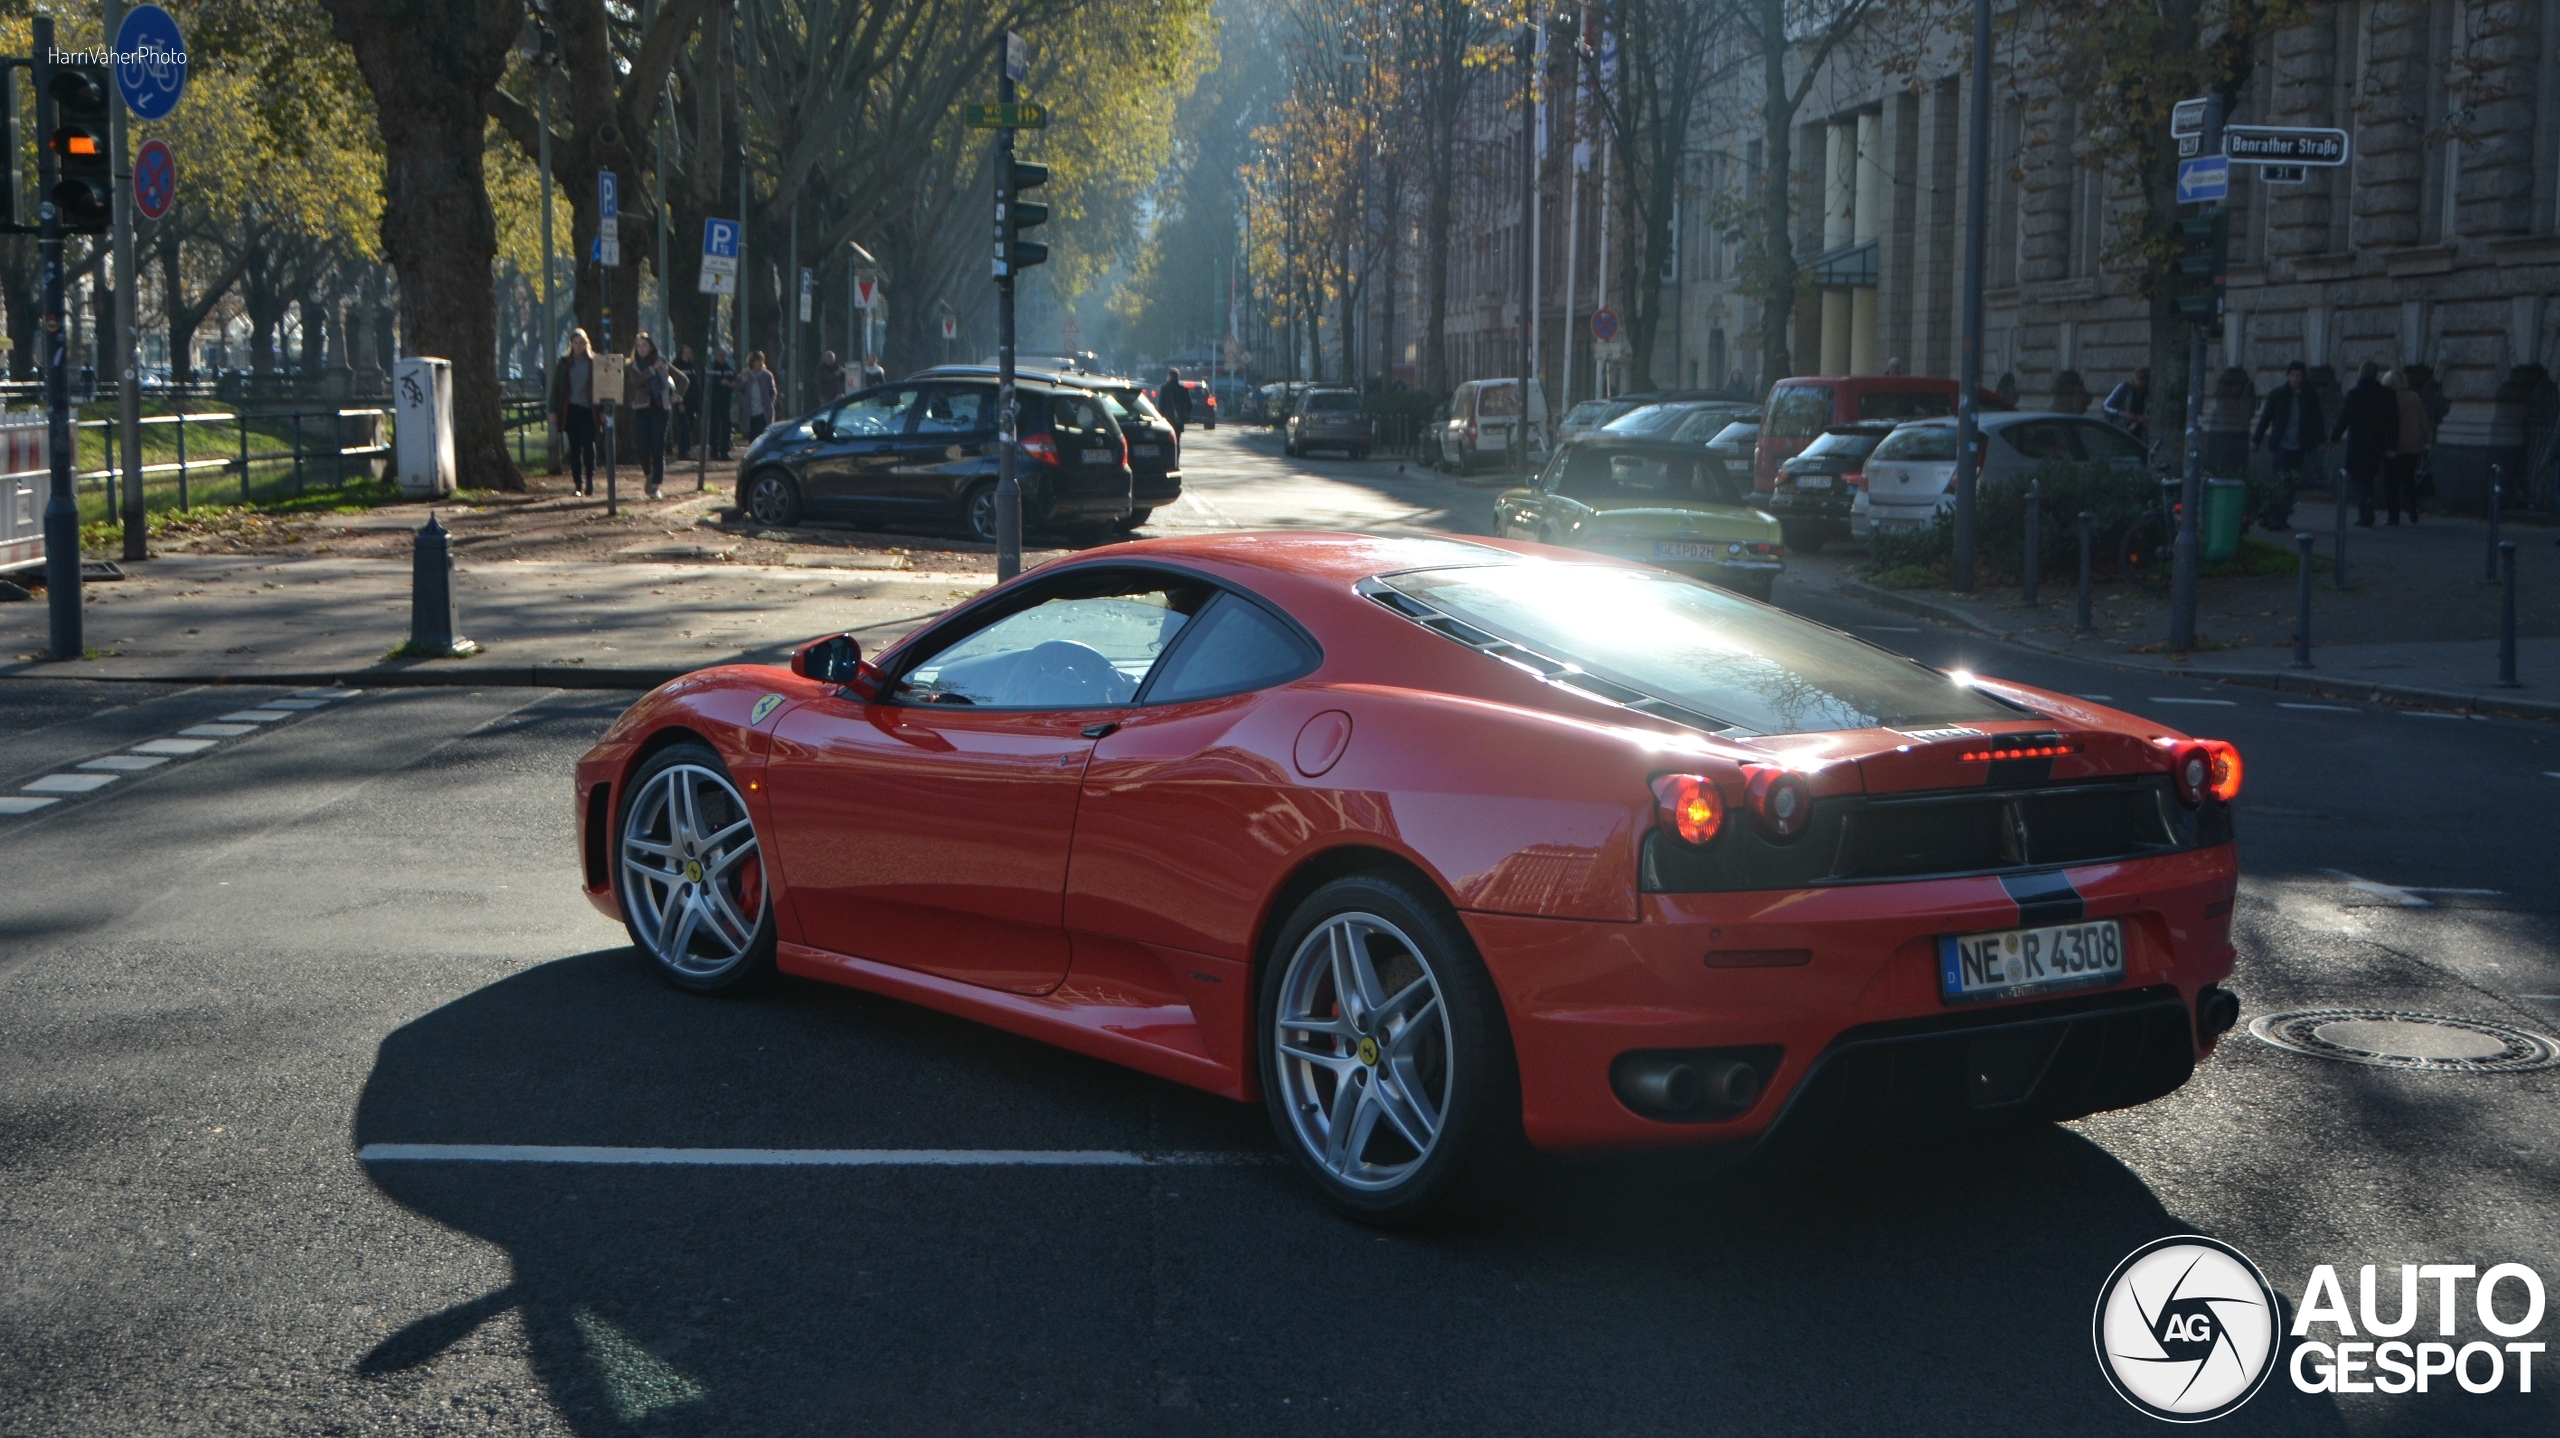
1434,844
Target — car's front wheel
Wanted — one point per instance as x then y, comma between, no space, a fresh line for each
1385,1060
773,500
692,875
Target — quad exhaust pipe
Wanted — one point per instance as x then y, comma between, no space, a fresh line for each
1693,1084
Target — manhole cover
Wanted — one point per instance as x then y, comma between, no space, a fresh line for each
2429,1042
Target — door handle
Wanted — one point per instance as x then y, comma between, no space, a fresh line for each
1099,731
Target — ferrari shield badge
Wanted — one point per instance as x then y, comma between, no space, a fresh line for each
764,706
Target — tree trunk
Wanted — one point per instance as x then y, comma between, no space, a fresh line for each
432,66
1777,235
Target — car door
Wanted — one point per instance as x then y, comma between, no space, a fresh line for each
2106,444
852,471
930,828
1522,513
946,446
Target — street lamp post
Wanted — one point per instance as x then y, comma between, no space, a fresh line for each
1976,219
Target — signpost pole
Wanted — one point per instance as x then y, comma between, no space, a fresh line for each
1008,486
2184,556
62,506
129,381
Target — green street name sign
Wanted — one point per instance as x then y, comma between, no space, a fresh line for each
1024,116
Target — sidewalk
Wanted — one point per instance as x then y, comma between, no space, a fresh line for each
2415,623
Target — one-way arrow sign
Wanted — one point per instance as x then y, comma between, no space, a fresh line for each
2283,145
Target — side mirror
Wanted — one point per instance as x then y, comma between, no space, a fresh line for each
832,660
822,427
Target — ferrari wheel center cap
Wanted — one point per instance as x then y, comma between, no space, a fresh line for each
693,871
1369,1052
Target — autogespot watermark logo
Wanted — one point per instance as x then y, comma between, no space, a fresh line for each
2186,1329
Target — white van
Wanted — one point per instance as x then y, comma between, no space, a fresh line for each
1483,415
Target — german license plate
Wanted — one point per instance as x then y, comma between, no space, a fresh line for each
1687,549
2017,962
1813,481
1099,456
1143,451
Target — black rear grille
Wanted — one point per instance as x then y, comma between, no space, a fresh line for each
1869,838
1889,1083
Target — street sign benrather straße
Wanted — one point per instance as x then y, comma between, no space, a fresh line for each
2284,145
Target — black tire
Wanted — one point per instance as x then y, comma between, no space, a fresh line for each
1806,536
772,499
1405,933
978,511
1758,587
1130,522
2143,548
718,884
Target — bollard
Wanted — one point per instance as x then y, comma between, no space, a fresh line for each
2088,620
612,499
2302,621
2497,494
2035,523
2338,560
431,621
2507,616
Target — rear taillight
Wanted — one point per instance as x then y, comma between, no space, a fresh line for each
1764,551
1780,800
1124,449
2206,766
1855,479
1040,447
1471,431
1689,807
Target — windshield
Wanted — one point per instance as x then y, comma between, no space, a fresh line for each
1611,477
1587,413
1713,653
1905,404
1498,401
1333,399
1652,419
1131,401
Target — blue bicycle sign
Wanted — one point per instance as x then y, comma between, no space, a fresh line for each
151,62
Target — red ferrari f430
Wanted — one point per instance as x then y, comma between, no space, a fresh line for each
1434,845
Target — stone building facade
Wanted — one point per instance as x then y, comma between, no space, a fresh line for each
2437,245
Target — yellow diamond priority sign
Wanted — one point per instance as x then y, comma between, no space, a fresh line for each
1024,116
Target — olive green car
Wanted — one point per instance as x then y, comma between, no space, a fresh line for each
1674,506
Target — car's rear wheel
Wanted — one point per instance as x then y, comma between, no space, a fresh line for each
1805,535
978,511
691,879
772,499
1385,1060
1136,517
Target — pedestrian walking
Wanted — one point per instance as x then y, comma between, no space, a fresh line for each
2289,428
573,409
2369,421
1173,401
756,392
650,388
688,417
872,373
2408,448
719,403
831,376
2127,405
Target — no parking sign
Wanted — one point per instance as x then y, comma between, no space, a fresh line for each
155,179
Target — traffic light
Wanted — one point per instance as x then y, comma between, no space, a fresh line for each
83,190
2204,251
1020,214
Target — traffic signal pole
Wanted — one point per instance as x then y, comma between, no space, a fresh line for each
1008,486
62,508
2185,556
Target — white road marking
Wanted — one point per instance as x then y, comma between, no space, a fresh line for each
2217,703
173,746
123,763
215,731
2402,896
791,1157
297,703
15,805
67,784
255,716
2096,698
325,694
2430,714
1889,628
2321,708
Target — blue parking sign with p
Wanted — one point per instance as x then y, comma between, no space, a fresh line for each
720,237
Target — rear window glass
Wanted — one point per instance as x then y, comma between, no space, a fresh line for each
1652,419
1335,399
1905,404
2039,439
2106,442
1498,403
1799,411
1741,434
1920,442
1131,401
1842,444
1078,414
1597,475
1712,653
1587,412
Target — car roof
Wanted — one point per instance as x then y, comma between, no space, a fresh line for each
1062,379
1995,418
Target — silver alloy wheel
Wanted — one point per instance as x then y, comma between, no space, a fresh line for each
769,499
982,515
693,880
1364,1058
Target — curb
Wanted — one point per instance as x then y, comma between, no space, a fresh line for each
2290,681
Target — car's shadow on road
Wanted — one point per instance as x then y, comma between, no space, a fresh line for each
1943,1293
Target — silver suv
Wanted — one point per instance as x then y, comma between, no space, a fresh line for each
1331,419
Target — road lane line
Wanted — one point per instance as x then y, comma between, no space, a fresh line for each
123,763
173,746
215,731
2217,703
792,1157
15,805
256,716
2429,714
2321,708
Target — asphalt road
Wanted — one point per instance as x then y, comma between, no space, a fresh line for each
222,976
